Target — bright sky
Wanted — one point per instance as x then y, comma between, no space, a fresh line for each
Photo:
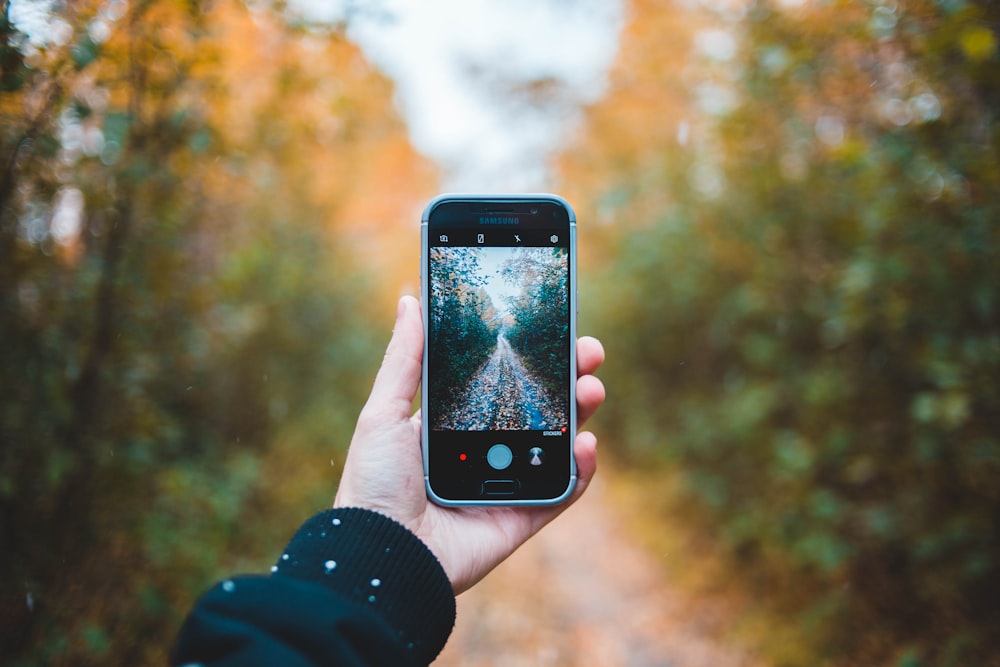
453,62
490,261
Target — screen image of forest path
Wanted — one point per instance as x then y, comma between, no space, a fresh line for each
504,395
499,334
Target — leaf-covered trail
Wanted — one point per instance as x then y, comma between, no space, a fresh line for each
582,593
503,395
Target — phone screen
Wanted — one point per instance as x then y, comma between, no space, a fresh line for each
499,406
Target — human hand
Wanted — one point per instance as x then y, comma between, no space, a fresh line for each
384,468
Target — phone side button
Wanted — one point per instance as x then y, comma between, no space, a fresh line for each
499,487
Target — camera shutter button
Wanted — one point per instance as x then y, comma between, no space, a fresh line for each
499,456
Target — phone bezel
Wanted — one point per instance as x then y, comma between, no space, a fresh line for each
526,199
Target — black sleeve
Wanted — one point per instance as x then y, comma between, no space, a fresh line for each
353,587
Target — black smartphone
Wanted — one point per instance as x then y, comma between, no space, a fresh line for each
498,283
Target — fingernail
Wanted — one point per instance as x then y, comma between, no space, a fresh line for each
400,307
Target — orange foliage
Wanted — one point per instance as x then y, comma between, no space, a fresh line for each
646,108
298,112
327,116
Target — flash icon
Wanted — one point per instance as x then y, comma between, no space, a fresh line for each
481,238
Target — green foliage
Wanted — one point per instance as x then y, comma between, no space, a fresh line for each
170,335
811,333
540,332
463,327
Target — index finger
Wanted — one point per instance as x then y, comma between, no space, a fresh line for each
398,378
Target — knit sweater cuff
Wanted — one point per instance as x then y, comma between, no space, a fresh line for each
375,561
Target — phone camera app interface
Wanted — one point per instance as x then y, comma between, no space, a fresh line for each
499,338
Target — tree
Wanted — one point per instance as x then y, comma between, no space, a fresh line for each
183,303
540,331
462,323
812,325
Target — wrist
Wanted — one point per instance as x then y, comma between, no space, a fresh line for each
376,562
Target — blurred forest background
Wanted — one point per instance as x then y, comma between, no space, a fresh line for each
789,245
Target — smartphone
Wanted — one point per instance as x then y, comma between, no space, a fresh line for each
498,284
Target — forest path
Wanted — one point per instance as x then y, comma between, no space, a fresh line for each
583,593
504,396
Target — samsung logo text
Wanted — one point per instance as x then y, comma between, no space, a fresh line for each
499,220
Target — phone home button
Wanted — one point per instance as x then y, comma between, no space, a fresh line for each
499,487
499,456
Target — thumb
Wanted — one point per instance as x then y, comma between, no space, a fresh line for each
399,377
